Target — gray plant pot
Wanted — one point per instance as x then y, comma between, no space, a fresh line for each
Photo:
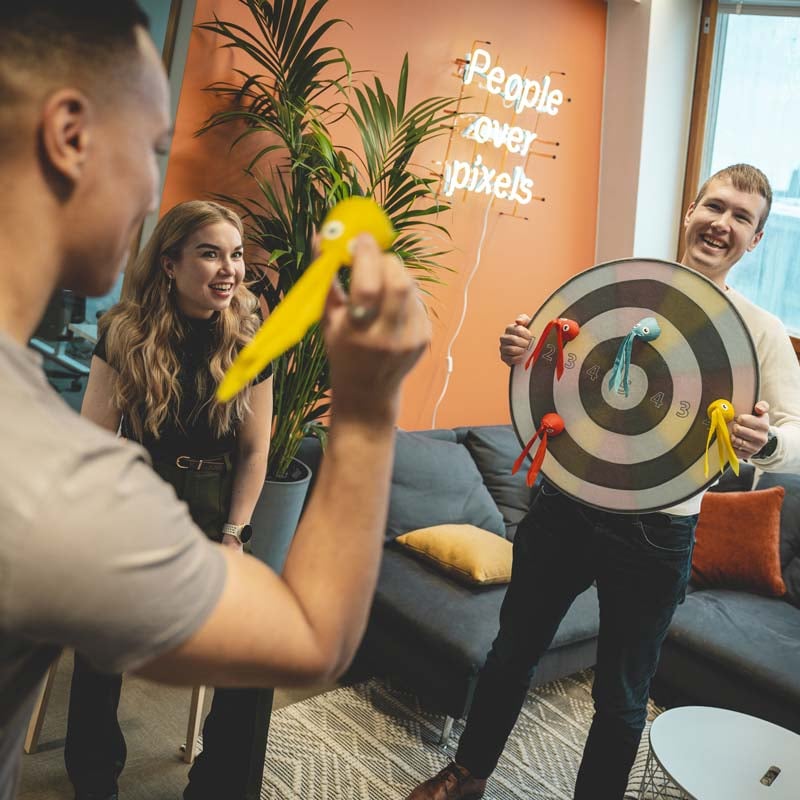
275,518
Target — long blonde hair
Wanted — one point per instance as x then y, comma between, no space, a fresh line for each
144,331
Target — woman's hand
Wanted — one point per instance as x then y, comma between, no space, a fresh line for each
232,542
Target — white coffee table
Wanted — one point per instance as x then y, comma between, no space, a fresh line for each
704,753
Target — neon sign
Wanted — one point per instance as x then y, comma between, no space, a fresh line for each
518,93
477,177
484,129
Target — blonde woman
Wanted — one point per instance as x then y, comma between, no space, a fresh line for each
184,315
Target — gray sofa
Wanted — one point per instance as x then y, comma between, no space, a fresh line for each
725,648
427,630
737,650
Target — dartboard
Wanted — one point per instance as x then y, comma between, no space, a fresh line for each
644,450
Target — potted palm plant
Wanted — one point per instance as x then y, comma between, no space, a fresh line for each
299,91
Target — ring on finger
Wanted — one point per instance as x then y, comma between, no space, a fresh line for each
360,314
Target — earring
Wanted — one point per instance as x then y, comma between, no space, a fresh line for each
169,283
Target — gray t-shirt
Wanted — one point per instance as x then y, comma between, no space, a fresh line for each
96,553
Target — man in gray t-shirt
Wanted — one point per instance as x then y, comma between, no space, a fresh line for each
95,551
84,561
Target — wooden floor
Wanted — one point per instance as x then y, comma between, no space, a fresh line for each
154,720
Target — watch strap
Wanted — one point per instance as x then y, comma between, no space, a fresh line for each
769,448
229,529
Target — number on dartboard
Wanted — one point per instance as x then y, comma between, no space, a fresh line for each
683,409
593,372
571,360
657,399
549,352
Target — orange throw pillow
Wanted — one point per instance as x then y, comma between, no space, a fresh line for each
738,540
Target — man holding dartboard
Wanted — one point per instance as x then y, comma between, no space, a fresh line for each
624,477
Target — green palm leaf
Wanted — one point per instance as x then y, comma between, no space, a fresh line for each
302,85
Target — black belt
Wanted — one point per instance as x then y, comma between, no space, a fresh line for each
216,464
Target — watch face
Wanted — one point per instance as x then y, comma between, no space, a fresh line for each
246,533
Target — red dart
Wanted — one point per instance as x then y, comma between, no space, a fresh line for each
551,425
567,330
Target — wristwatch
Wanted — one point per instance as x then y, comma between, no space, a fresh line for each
769,448
240,532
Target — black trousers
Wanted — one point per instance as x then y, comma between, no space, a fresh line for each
231,764
641,566
235,731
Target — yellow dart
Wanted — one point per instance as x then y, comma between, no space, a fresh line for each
305,302
720,412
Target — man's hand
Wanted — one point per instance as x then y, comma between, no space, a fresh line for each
749,431
376,335
515,341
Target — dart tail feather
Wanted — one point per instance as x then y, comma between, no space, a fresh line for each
284,328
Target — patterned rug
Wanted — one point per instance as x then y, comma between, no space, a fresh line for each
373,741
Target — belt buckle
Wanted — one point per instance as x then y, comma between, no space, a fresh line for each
187,465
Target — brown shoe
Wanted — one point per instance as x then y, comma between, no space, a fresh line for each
454,782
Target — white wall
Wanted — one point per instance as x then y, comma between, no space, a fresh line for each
650,59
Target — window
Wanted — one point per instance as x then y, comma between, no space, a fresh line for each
754,116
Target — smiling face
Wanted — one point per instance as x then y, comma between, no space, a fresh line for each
208,271
720,227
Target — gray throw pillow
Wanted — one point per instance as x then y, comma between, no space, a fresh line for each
494,449
435,482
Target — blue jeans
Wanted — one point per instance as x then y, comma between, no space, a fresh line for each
641,565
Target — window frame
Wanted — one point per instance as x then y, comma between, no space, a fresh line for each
704,88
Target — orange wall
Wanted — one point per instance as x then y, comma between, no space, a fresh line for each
522,261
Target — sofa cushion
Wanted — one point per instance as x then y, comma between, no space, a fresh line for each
436,482
494,448
752,637
790,530
464,552
738,538
456,623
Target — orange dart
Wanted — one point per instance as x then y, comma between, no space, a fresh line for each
551,425
567,330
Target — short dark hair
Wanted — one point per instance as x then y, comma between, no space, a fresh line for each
745,178
47,43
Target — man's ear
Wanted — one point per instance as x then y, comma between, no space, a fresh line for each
754,241
66,132
688,213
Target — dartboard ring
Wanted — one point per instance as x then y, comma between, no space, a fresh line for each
643,452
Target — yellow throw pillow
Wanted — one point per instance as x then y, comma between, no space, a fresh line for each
467,553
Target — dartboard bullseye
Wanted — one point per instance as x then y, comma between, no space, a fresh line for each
633,399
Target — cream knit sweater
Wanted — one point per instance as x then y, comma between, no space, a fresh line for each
780,387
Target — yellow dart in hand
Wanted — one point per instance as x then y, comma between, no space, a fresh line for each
305,302
720,412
